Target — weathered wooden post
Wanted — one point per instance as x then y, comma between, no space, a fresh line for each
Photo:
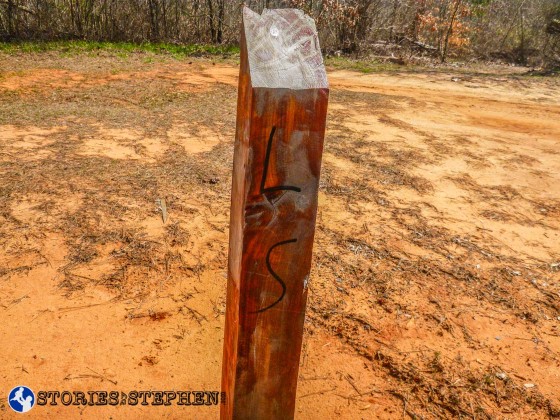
282,105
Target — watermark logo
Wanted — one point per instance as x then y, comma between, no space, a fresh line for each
21,399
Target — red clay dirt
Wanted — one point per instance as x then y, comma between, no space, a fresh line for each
435,283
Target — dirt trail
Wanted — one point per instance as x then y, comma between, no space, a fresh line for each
436,277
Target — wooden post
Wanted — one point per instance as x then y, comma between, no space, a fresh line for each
282,106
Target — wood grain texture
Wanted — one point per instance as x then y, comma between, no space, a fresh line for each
277,160
283,50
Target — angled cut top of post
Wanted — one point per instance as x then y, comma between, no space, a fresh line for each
283,50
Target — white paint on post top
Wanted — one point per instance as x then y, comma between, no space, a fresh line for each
283,50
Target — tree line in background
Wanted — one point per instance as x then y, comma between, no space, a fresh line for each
522,31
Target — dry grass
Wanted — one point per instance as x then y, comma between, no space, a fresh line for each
401,260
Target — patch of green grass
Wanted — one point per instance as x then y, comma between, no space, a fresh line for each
361,65
122,49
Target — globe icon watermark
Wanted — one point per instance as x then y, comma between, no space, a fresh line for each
21,399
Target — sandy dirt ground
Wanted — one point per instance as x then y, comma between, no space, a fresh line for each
435,288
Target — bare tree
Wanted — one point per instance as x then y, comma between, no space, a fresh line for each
504,29
445,46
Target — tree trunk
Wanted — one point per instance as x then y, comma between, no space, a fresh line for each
211,21
449,31
154,30
11,8
219,34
